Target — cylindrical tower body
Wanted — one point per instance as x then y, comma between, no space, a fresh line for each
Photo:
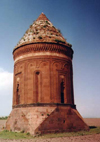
43,98
43,74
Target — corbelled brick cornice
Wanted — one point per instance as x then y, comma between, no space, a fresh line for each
40,47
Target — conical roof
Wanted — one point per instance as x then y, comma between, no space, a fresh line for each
42,30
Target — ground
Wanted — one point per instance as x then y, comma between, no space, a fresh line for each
87,138
2,124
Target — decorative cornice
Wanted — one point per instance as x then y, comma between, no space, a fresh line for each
43,47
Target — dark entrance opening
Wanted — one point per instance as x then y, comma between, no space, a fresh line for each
62,91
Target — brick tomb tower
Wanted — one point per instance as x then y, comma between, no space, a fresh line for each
43,98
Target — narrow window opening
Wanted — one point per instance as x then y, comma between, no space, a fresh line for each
17,95
37,86
62,91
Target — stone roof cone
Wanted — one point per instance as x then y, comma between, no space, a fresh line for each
42,30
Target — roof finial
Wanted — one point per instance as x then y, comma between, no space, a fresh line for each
42,17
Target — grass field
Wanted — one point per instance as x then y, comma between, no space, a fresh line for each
94,124
14,135
20,135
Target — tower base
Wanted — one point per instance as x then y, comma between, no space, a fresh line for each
41,119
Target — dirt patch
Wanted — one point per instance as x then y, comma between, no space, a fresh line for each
92,121
89,138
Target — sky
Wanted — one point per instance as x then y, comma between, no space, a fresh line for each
79,22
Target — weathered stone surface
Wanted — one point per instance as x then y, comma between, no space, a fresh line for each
39,120
43,97
42,30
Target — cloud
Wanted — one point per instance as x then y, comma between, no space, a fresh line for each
6,81
6,92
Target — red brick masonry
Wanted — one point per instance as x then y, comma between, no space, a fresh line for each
43,98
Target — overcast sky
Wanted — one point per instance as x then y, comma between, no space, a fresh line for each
79,22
